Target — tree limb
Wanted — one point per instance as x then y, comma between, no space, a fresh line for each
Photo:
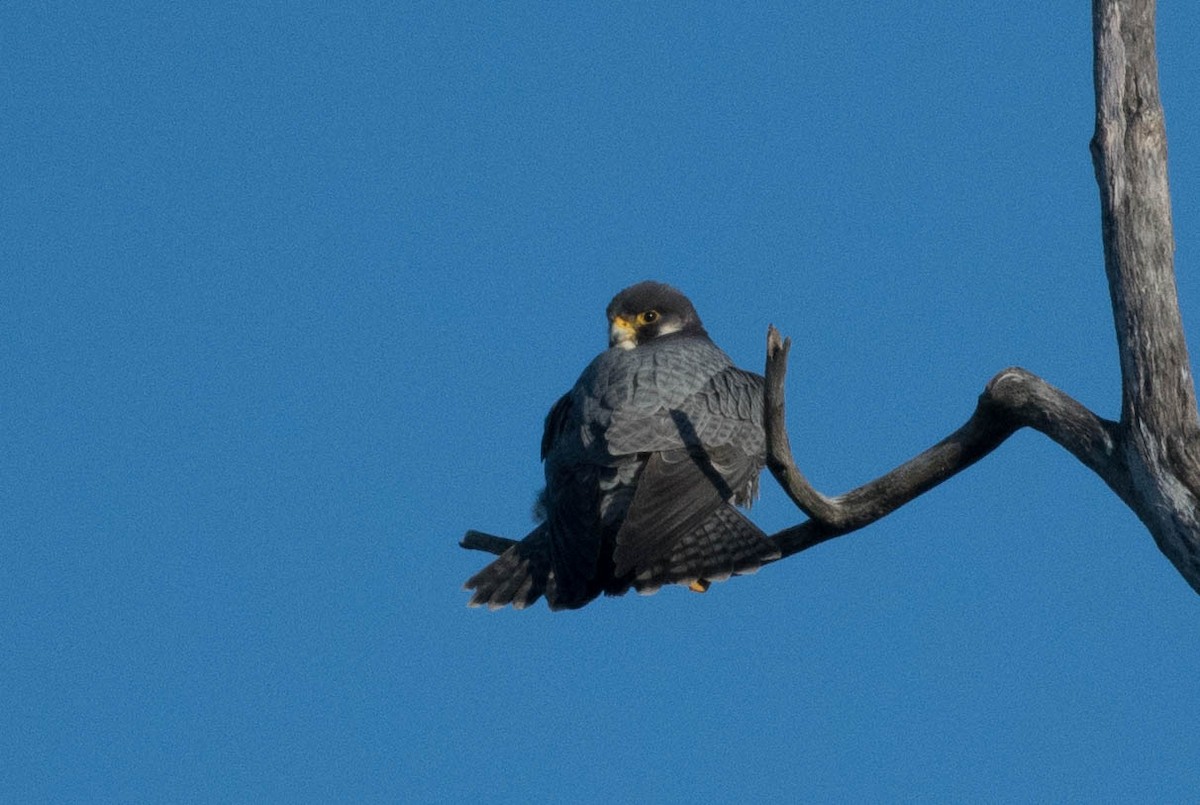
1013,399
1151,458
1160,433
1129,153
488,543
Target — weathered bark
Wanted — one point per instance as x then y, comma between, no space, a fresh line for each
1159,425
1013,399
1151,457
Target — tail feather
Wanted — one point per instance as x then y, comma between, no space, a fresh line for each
723,545
518,576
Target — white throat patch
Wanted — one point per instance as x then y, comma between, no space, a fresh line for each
622,335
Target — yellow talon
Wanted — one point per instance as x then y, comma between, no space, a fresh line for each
700,585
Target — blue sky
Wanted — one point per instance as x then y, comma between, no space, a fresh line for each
289,289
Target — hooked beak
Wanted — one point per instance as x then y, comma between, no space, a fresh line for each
622,333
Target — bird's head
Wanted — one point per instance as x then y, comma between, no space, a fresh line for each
650,310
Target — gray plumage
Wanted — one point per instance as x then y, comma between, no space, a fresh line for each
644,458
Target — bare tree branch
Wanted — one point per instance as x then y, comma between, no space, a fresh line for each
1013,399
1129,152
981,434
1151,458
1159,426
488,543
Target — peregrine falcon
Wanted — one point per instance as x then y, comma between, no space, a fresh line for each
644,458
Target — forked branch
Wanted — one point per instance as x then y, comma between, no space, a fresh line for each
1013,399
1151,458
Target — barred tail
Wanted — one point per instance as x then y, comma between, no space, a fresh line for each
518,576
725,544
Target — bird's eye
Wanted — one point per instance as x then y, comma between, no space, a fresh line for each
649,317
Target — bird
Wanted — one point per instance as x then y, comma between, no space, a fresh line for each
646,459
